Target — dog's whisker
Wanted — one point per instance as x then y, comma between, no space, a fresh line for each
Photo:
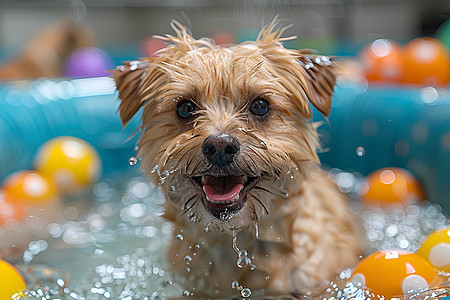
250,169
185,208
189,200
250,133
257,187
262,204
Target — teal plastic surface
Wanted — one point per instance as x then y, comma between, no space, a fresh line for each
33,112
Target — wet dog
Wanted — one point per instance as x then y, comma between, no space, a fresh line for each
226,136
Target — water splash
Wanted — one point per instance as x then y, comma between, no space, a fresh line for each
245,292
243,259
226,215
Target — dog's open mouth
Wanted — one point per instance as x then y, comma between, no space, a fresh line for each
224,193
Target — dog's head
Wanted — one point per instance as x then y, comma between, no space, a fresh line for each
226,131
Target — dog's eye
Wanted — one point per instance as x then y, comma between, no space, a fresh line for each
185,108
260,107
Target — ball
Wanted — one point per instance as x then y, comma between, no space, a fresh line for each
71,163
11,211
426,62
392,185
223,38
382,61
28,187
12,282
394,273
150,46
436,249
443,34
88,62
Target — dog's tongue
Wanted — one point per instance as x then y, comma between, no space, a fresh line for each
222,188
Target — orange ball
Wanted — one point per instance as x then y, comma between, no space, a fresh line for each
382,61
391,185
394,273
223,38
426,62
150,46
29,187
10,210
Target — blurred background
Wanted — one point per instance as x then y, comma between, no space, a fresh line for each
71,193
334,26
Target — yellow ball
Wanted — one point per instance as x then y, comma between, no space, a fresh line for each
436,249
70,163
12,282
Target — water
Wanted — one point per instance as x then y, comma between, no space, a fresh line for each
360,151
112,243
132,161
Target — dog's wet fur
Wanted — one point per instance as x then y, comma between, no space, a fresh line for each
226,135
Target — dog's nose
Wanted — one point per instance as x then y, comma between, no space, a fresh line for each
220,149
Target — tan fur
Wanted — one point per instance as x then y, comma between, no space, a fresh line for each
306,229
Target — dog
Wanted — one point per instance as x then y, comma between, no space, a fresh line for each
226,135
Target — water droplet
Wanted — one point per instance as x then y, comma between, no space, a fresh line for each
267,277
180,237
186,293
226,215
360,151
169,282
132,161
172,188
246,292
257,231
187,259
234,284
155,169
163,176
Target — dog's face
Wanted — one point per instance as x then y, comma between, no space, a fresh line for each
225,131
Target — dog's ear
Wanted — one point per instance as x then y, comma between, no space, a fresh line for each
321,78
312,78
128,79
